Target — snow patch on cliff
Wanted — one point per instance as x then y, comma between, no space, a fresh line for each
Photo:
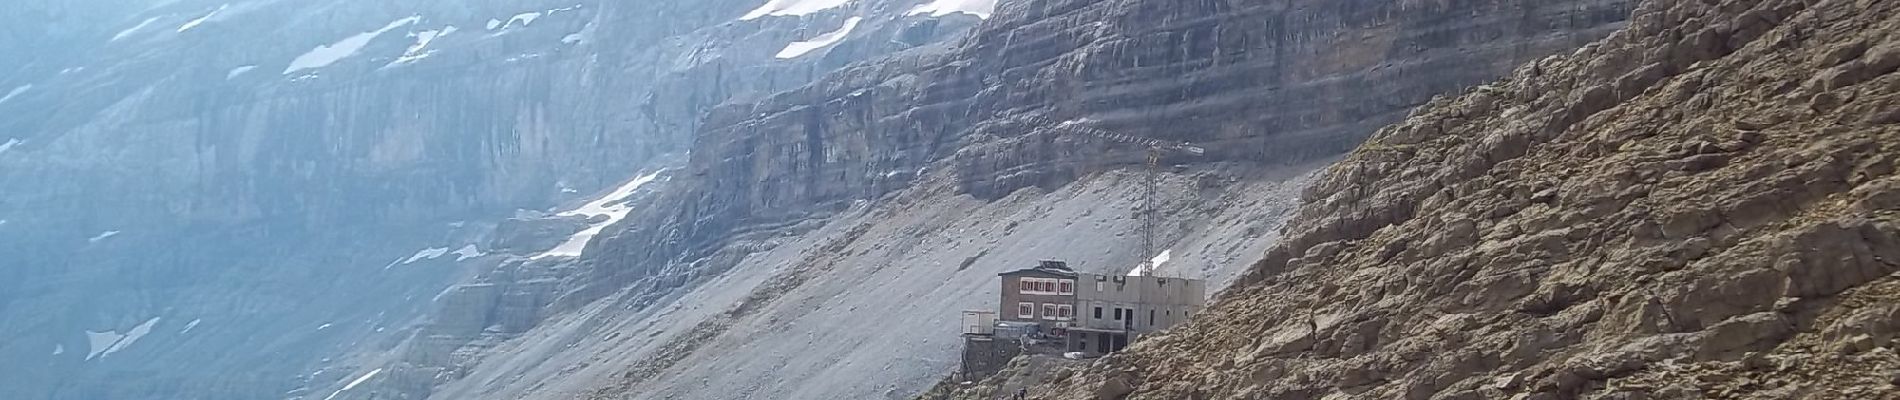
938,8
103,236
354,383
188,326
59,349
792,8
1153,263
797,49
526,18
102,344
235,72
133,336
466,252
9,145
201,20
15,92
427,254
421,49
98,342
134,29
323,56
613,205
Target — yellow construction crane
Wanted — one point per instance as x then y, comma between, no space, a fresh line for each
1156,148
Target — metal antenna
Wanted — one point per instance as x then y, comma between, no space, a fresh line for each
1151,180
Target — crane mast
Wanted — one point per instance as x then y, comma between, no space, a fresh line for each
1150,181
1148,212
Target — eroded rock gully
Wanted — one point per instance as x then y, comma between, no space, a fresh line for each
1702,205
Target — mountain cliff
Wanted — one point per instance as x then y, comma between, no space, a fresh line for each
271,187
815,233
1701,205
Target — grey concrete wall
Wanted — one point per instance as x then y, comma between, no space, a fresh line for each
983,356
1156,302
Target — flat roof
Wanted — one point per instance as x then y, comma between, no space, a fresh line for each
1051,267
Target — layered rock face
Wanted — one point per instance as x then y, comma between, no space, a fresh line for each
1260,83
1700,206
486,314
1263,82
260,186
473,118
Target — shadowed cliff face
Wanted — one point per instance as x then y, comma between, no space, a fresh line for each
255,170
409,130
37,27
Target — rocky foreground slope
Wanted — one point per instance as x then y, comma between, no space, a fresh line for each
1703,205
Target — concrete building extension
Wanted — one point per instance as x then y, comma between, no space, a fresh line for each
1114,310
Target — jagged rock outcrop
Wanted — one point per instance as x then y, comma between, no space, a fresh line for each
1699,206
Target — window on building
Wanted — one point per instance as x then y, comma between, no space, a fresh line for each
1098,313
1151,317
1044,286
1118,313
1026,310
1065,312
1049,311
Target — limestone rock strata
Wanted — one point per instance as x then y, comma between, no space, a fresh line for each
1263,82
